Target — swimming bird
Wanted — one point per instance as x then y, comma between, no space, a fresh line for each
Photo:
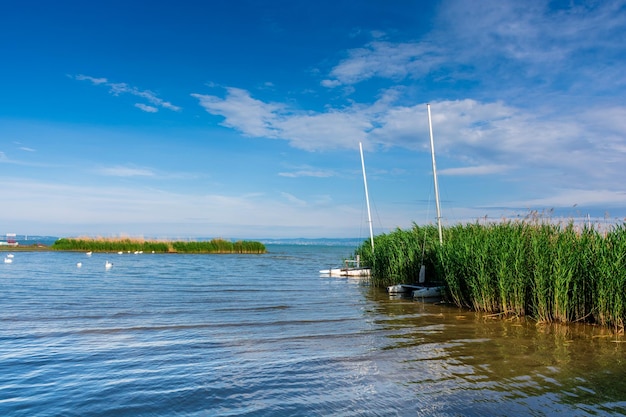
88,253
79,264
107,264
10,255
8,260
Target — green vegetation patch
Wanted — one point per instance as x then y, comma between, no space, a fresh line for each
134,245
550,272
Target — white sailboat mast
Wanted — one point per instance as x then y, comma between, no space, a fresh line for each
432,152
367,198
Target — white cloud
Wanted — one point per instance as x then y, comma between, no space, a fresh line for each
93,80
386,60
307,172
475,170
330,83
146,108
123,88
244,113
122,171
293,199
304,130
501,46
486,137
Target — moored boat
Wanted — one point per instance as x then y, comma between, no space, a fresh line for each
435,292
347,271
356,271
402,288
422,291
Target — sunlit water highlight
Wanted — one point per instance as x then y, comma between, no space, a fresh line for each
265,335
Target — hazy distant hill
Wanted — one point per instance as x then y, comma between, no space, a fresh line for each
319,241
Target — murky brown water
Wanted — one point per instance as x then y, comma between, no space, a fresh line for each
529,368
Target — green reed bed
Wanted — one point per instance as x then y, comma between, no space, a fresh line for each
133,245
219,246
398,256
551,272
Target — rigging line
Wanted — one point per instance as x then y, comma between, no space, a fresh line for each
364,220
380,223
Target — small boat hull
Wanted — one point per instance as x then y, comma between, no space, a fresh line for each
346,272
357,272
428,292
416,291
402,288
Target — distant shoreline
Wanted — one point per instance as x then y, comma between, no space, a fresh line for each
25,248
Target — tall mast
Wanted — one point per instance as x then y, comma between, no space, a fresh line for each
432,152
367,198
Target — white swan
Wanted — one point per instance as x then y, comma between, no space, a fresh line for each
88,253
107,264
8,260
10,255
79,264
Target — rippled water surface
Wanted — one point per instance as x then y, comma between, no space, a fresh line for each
265,335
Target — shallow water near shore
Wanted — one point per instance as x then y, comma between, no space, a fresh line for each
266,335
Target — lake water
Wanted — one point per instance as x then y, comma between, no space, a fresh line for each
265,335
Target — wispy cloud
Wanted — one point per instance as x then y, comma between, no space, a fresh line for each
503,45
484,137
146,108
307,172
305,130
124,171
93,80
474,170
293,199
258,118
394,61
123,88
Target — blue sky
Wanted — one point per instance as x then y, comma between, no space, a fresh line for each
242,119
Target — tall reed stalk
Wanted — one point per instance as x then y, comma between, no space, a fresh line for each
551,272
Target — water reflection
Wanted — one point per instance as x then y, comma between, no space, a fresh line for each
448,353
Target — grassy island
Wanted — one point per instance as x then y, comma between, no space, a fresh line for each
550,272
158,246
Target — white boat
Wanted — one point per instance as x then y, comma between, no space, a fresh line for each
424,291
348,271
357,270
